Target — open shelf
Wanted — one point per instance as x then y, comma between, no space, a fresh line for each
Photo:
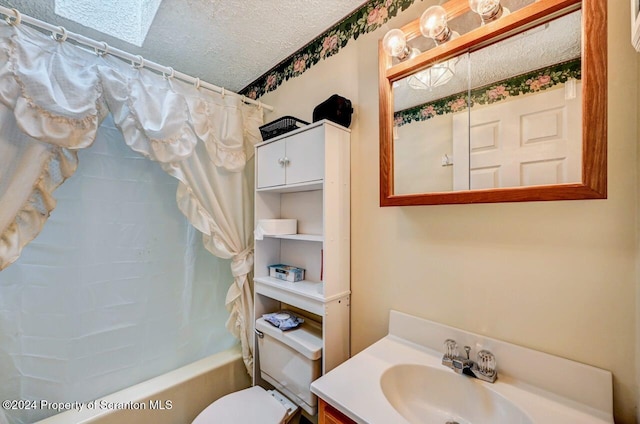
301,237
305,186
311,289
308,295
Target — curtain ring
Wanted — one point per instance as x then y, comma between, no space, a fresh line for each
105,49
62,35
243,98
222,92
13,21
171,75
197,83
140,64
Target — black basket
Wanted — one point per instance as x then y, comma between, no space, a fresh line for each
280,126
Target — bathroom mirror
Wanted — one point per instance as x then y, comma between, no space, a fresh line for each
510,110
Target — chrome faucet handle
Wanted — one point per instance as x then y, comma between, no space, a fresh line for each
450,352
450,349
486,362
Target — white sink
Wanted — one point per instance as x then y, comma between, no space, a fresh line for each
401,380
425,395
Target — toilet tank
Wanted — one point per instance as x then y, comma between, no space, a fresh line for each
290,360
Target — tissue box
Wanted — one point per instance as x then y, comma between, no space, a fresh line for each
286,272
274,227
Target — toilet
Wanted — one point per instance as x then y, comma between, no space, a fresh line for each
289,361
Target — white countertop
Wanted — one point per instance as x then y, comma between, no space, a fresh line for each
354,387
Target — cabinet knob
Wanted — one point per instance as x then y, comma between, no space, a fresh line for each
283,161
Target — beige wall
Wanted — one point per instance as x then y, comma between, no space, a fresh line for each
555,276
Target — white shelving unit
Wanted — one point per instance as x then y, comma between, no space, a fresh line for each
305,175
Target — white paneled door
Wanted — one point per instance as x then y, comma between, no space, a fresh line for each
532,140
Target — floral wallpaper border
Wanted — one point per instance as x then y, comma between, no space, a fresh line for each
531,82
369,17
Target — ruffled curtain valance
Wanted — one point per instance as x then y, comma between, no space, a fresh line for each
53,97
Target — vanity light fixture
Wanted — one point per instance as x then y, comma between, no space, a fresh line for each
435,76
433,24
489,10
395,44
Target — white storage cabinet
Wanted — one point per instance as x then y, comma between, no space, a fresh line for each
305,175
296,159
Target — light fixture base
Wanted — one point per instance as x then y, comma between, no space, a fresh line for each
493,14
444,36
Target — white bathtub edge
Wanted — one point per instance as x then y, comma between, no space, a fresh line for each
149,388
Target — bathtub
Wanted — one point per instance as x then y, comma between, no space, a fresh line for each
176,397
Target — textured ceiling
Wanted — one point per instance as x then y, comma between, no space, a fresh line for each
227,43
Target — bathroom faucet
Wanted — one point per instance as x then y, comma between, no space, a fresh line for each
484,369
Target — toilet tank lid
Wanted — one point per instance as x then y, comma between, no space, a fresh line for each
306,339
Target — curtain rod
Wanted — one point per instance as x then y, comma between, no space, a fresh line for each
14,17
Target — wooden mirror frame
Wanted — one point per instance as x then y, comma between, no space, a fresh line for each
594,101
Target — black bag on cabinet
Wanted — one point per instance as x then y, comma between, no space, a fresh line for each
336,109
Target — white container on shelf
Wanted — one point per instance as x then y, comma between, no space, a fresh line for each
275,227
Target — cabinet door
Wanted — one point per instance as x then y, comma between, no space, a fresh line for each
305,154
270,170
327,414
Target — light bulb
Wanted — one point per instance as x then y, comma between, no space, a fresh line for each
394,43
433,24
489,10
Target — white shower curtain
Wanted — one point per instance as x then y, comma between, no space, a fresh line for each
53,97
116,289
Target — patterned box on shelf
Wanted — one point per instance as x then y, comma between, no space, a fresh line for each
286,272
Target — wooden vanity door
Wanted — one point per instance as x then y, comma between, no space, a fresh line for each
327,414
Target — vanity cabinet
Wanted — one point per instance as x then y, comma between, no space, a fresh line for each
327,414
305,175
